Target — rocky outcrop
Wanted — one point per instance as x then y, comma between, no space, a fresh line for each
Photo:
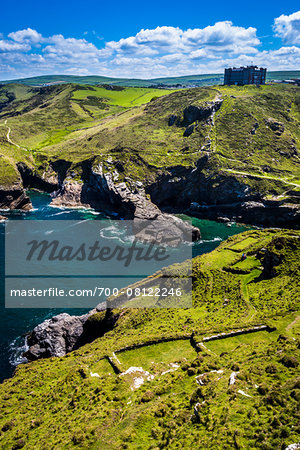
14,197
69,196
189,190
47,182
181,186
195,113
55,337
263,213
101,192
63,333
172,120
188,131
211,195
275,125
255,127
269,262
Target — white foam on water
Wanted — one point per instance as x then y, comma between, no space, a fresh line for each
60,213
215,239
17,347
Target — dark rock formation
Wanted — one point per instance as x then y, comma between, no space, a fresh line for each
172,120
194,113
275,125
214,195
55,337
64,333
188,131
46,183
103,193
69,196
14,197
265,213
111,87
255,127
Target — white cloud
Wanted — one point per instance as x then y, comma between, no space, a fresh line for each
288,28
163,51
8,46
221,34
27,36
171,39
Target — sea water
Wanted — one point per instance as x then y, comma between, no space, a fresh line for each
15,323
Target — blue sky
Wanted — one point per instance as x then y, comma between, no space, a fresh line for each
145,40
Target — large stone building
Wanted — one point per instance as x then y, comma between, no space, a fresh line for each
245,75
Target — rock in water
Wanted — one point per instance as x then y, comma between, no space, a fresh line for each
63,333
70,196
14,197
102,193
55,337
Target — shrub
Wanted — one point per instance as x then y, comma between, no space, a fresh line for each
147,396
19,444
271,369
284,432
262,389
296,395
196,395
289,361
8,425
78,437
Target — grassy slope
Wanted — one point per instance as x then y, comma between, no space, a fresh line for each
56,403
38,112
264,154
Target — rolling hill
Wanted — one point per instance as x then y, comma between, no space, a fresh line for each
184,81
214,151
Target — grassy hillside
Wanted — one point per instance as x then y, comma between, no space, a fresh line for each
253,139
188,392
144,144
43,116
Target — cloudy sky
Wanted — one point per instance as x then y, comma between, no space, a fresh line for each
144,41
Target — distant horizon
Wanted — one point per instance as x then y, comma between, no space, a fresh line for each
106,76
133,78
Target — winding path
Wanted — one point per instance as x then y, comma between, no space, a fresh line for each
7,136
262,176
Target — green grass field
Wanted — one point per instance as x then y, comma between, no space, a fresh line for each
127,98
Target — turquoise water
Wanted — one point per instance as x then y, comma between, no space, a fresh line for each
14,323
